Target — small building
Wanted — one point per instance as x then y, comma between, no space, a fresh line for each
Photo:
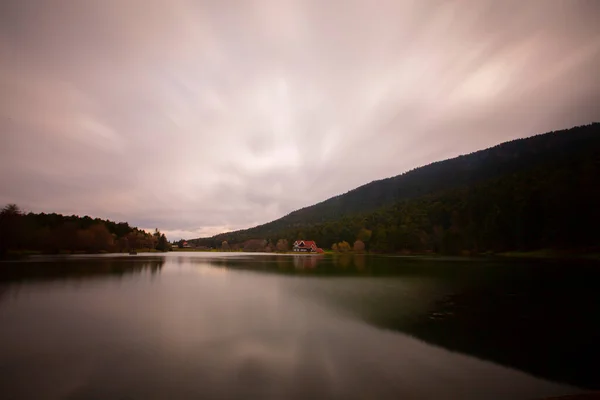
306,246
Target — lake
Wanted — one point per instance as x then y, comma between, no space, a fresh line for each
190,325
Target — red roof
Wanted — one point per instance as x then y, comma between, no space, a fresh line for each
307,243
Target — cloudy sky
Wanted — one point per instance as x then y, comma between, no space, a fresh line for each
199,117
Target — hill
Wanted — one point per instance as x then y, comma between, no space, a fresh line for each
56,233
532,193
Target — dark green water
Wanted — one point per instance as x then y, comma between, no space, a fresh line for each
204,325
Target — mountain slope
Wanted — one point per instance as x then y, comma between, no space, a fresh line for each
533,166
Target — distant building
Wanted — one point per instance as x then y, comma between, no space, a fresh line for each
306,246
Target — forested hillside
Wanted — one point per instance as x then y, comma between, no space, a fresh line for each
54,233
527,194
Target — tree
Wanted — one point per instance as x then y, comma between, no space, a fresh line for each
343,247
85,242
225,246
122,244
52,233
10,228
359,246
11,209
66,236
282,245
102,240
255,245
163,243
132,240
334,247
364,235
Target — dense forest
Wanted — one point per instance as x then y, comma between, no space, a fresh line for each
56,233
541,192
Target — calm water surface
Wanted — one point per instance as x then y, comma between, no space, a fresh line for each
209,325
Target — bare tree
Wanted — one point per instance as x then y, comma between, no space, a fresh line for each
283,245
255,245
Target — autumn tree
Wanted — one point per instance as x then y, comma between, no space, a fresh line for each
132,240
102,239
343,247
359,246
225,246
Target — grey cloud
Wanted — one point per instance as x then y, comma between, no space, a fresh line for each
202,116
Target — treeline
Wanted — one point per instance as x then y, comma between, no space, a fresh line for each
56,233
540,193
283,245
256,245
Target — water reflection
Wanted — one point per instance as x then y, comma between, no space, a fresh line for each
271,326
306,262
48,268
540,317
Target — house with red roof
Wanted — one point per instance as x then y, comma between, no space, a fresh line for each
307,246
